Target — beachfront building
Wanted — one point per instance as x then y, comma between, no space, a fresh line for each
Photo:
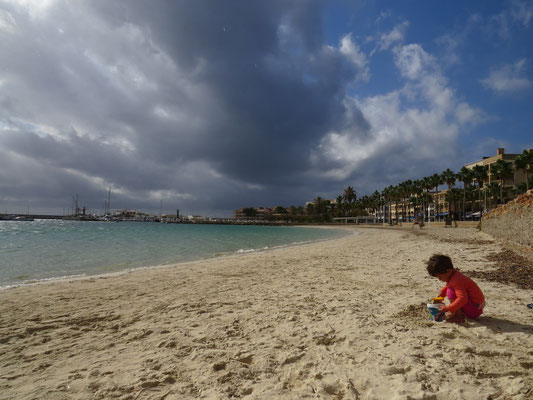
440,209
439,206
398,211
126,214
489,161
408,210
460,203
252,213
509,182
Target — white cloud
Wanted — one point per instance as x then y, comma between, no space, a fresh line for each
34,8
167,195
453,41
385,40
396,35
352,51
519,12
508,78
412,61
522,11
7,22
383,15
415,122
397,133
466,114
500,23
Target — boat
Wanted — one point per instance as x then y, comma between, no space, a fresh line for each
22,218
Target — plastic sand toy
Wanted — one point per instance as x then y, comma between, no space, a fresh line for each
434,313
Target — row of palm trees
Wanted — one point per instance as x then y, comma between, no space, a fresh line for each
411,198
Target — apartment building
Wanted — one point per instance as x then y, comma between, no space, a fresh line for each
510,182
405,212
518,176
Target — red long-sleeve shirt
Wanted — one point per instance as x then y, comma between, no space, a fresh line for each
465,288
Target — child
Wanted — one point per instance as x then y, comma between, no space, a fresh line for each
466,298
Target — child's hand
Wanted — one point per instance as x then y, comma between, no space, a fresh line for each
442,308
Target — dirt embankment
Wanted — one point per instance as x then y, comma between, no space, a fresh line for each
512,223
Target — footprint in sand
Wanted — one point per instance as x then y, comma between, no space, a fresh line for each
246,360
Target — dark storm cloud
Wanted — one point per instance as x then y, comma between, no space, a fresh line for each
214,103
265,109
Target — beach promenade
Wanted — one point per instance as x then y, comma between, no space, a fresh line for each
339,319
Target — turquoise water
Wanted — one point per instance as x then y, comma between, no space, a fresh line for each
48,249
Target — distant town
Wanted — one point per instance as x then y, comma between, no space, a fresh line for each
117,216
485,184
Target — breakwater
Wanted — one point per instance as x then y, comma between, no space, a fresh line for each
34,216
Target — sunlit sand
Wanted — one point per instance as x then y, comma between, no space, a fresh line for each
340,319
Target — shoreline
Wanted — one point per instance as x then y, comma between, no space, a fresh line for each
174,264
339,318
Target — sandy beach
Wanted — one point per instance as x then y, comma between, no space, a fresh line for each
339,319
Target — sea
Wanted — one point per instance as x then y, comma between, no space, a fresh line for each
40,250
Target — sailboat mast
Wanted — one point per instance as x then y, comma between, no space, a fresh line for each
109,201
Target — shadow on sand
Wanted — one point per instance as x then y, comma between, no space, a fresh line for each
500,325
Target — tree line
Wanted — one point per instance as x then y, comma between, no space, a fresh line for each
411,198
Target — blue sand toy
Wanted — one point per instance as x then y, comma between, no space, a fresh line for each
434,313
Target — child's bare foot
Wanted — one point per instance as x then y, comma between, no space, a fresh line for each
457,318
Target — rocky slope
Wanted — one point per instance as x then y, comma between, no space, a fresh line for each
512,222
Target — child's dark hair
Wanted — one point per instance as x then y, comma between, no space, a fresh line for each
439,264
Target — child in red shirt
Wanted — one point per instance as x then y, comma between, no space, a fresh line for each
466,298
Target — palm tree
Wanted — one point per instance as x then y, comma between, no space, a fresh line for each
327,210
350,195
321,205
452,196
280,210
340,206
427,199
519,189
405,193
470,195
501,170
417,189
249,212
492,190
437,181
465,175
363,202
394,195
387,197
375,202
448,176
310,209
524,162
397,200
480,175
427,183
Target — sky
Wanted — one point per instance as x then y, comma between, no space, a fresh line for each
209,106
